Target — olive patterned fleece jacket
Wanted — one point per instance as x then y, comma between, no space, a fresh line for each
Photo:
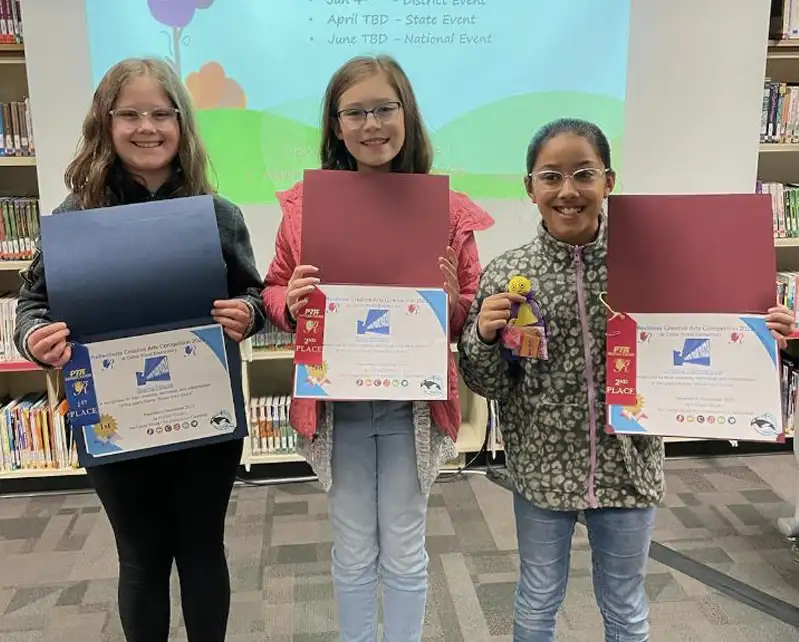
552,411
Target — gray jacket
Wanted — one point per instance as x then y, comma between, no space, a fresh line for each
552,412
244,281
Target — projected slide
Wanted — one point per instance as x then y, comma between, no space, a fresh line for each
487,73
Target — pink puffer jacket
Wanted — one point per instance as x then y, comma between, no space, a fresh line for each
466,217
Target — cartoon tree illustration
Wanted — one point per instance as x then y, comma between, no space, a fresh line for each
211,88
176,14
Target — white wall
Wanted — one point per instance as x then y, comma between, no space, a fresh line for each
694,94
60,83
694,91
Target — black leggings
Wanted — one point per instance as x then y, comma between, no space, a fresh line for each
169,508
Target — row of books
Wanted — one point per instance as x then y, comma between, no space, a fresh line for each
10,22
779,115
17,128
19,230
271,338
34,436
270,430
784,206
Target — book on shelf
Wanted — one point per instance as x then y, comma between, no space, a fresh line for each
270,430
10,22
789,382
17,128
786,289
787,283
8,311
34,436
272,339
779,115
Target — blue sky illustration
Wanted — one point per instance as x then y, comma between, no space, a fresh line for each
267,46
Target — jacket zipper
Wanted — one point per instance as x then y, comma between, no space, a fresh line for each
589,373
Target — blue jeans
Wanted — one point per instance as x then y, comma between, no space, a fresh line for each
378,515
619,540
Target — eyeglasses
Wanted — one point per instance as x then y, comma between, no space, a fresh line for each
384,113
157,116
582,178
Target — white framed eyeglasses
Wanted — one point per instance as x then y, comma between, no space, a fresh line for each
582,178
157,116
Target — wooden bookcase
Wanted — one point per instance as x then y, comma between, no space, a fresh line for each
17,178
778,162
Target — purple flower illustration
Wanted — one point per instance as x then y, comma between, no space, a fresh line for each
176,14
173,13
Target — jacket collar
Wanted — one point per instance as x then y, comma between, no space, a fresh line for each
124,189
560,251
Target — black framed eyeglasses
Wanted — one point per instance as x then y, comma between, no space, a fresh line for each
356,117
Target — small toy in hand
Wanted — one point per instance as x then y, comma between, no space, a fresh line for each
525,336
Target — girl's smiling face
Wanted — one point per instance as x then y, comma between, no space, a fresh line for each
569,183
371,123
145,130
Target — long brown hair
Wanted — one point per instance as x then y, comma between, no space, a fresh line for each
87,176
416,155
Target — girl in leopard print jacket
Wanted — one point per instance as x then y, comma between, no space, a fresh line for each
560,459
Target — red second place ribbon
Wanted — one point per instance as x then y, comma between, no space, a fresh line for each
621,361
310,336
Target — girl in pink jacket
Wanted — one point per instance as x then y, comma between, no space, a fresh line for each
377,460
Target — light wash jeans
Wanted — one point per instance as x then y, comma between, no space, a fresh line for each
619,540
378,514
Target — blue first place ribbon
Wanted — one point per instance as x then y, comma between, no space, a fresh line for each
80,393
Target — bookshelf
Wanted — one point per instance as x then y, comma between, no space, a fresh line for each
778,176
19,215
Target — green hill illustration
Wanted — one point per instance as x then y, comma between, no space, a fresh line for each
254,153
492,140
304,110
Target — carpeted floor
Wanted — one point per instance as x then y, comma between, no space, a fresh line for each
58,563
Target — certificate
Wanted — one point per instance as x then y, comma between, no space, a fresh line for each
135,284
712,376
688,350
370,342
150,391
